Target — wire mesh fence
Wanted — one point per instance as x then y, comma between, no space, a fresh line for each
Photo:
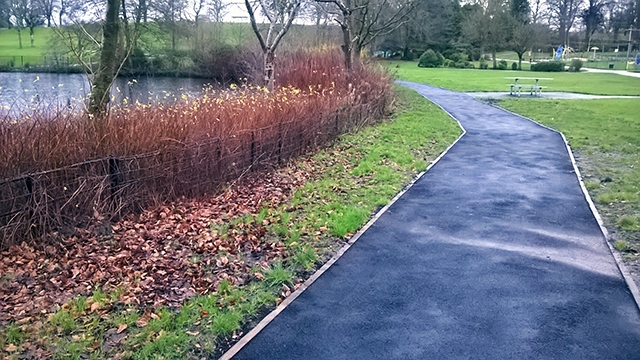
40,206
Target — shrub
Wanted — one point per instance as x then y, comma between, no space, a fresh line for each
449,63
463,64
143,154
514,66
455,56
483,64
502,65
576,65
549,66
431,59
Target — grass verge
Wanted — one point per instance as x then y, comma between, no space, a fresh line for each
494,80
605,137
359,174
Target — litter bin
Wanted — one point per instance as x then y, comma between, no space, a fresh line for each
611,66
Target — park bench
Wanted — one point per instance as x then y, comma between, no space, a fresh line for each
517,86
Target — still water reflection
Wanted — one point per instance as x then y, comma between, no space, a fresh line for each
20,92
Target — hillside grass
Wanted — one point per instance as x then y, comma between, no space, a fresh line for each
496,80
9,45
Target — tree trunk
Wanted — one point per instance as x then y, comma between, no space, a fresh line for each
108,60
563,34
346,47
19,37
269,73
520,61
495,62
31,35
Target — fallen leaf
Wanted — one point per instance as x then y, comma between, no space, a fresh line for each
10,348
95,306
192,333
142,322
122,328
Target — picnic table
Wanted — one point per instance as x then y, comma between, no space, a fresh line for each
517,85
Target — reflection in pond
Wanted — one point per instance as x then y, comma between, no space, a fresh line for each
20,92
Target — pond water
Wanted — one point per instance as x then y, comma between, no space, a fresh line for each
20,92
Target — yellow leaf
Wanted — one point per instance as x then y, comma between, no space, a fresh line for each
122,328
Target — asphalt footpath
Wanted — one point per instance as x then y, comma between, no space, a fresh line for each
492,254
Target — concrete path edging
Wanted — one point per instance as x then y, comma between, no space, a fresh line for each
616,256
229,354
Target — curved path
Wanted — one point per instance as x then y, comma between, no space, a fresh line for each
494,254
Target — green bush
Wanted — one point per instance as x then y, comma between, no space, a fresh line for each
502,65
431,59
463,64
484,64
449,63
576,65
455,56
514,66
549,66
474,54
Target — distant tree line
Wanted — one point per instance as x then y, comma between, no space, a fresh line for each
181,36
488,26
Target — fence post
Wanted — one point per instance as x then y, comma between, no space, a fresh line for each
114,174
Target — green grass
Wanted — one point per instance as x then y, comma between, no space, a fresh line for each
602,59
9,46
605,134
494,80
362,172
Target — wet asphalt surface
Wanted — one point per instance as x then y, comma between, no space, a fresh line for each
493,254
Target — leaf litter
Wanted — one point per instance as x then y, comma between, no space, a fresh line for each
160,257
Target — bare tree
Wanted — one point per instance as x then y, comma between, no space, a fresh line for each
218,9
25,14
488,27
107,70
33,17
70,9
17,14
86,41
537,11
47,7
280,15
563,14
523,38
593,19
345,21
169,13
362,21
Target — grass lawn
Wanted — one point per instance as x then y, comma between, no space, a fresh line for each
357,175
9,46
605,136
494,80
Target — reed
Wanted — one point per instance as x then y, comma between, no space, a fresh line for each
63,169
